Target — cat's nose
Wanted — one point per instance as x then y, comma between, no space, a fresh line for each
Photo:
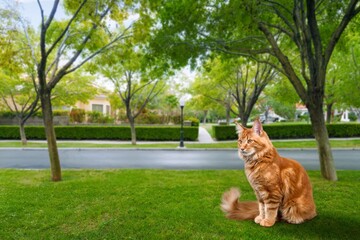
242,149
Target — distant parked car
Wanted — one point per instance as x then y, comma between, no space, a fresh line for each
231,120
271,118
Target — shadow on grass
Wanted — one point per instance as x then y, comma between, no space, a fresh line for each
324,226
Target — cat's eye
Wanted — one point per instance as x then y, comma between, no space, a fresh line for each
250,140
240,141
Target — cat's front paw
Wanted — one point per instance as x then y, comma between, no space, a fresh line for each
267,222
258,219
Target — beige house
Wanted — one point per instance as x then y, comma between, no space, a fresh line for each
99,103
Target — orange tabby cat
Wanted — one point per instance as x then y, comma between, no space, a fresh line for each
282,186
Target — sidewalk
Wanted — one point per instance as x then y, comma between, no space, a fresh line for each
204,136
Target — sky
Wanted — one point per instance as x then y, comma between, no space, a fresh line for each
30,10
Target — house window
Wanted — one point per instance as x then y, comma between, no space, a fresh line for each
107,110
97,108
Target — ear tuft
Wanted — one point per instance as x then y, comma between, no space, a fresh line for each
239,128
257,127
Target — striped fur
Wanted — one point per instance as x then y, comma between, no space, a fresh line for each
281,185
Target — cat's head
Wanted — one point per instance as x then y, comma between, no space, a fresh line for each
252,141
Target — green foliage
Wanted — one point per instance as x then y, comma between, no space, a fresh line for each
60,113
7,114
98,117
149,118
10,114
9,132
74,87
224,132
166,133
353,117
281,97
291,131
163,133
77,115
194,121
172,101
344,130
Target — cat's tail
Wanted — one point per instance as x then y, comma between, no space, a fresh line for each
234,209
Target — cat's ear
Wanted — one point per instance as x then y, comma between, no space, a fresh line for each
239,128
257,127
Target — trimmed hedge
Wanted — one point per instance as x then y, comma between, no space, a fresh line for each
291,131
103,132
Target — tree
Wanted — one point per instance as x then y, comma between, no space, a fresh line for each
170,102
19,97
135,85
300,36
281,97
347,68
16,71
66,46
332,90
315,47
237,83
199,101
206,91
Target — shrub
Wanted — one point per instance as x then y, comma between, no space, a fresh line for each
149,118
60,113
353,117
194,121
7,114
77,115
9,132
176,119
344,130
165,133
10,114
291,131
94,117
222,132
98,117
38,114
283,131
93,132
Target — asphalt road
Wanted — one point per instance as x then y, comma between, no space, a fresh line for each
160,159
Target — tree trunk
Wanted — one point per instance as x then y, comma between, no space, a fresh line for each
267,108
327,165
22,134
131,120
227,114
133,131
205,115
51,137
244,120
329,112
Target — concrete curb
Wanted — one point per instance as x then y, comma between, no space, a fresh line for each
165,149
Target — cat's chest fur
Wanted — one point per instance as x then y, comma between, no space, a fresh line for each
263,176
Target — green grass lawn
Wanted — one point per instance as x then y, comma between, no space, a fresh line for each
158,204
349,143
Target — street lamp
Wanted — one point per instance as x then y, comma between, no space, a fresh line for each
182,104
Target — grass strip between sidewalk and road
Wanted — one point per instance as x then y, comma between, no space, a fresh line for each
347,143
159,204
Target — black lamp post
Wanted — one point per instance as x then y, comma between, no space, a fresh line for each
182,104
